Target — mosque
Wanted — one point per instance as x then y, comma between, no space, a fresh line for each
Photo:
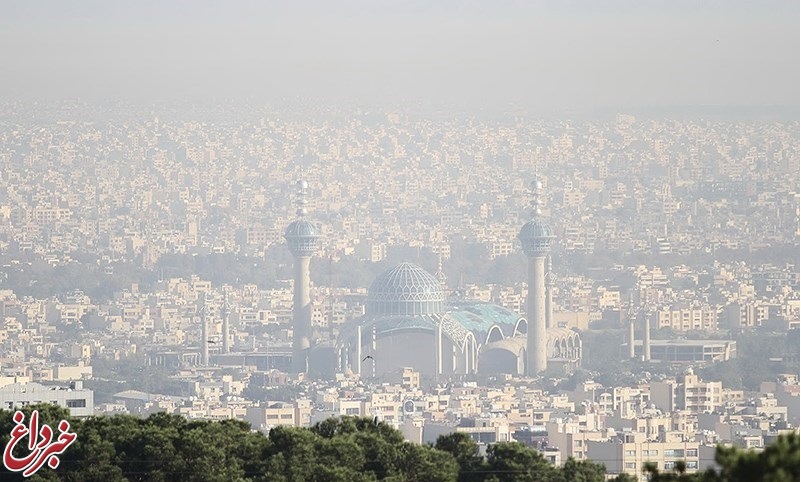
409,323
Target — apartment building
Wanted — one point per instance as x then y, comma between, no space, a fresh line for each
630,451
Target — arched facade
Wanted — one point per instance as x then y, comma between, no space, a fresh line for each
508,355
409,324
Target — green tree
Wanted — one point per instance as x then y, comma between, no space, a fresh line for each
514,462
292,454
423,463
465,451
49,415
777,463
582,471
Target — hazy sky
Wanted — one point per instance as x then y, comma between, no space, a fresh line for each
536,54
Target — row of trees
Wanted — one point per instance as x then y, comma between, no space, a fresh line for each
170,448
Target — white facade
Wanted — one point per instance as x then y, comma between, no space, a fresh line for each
78,400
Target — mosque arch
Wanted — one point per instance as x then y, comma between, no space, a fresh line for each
470,351
521,327
495,334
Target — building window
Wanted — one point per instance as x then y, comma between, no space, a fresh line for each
669,465
631,453
677,453
692,452
631,465
692,464
76,403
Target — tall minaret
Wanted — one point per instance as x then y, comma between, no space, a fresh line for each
225,313
536,236
632,315
550,282
646,342
302,239
203,314
443,283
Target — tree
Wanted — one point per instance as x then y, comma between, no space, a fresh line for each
583,471
777,463
170,448
423,463
49,415
514,462
465,451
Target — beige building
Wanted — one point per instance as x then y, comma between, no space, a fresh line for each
685,319
571,437
631,451
273,415
687,392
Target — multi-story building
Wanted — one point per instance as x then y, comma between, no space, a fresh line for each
78,400
687,392
685,319
630,451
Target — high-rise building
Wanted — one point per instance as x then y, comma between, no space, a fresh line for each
302,239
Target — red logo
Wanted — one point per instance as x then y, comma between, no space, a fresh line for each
40,443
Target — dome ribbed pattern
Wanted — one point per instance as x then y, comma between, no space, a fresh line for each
405,290
301,237
536,236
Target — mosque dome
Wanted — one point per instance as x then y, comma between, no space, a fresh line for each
536,236
406,290
302,236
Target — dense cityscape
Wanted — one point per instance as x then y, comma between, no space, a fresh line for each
154,262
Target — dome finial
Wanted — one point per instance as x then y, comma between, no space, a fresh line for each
536,191
300,200
301,235
440,274
536,235
550,276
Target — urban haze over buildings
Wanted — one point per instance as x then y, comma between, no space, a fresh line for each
553,56
571,225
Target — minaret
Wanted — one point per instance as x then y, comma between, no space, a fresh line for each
632,319
225,313
646,343
443,283
536,236
203,310
550,282
302,239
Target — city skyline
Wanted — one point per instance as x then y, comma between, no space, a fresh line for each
547,238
